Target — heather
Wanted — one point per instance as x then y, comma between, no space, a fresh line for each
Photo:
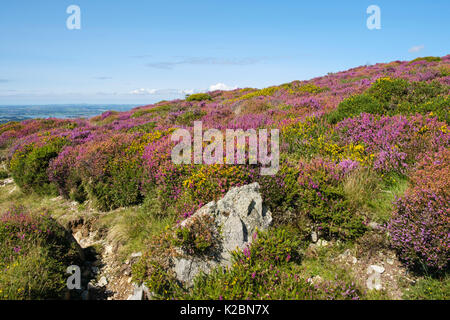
35,251
363,147
420,222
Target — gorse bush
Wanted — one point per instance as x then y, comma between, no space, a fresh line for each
323,200
427,59
209,182
395,96
353,106
29,164
311,195
117,174
198,97
35,252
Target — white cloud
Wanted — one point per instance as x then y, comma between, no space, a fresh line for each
187,91
143,91
416,49
220,86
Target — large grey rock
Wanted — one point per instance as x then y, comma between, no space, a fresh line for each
239,214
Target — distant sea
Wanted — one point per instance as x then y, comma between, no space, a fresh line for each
24,112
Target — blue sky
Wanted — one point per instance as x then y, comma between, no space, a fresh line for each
141,52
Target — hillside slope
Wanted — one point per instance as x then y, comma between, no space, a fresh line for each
364,167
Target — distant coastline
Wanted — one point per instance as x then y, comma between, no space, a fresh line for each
25,112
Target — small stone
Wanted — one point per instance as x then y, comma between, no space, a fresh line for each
390,261
375,268
374,225
108,249
102,282
136,254
322,243
138,293
354,260
314,237
315,280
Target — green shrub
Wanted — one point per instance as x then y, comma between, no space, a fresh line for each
198,237
34,254
387,90
121,187
322,198
154,267
427,59
198,97
144,128
353,106
4,174
312,195
139,113
189,117
437,106
395,96
29,165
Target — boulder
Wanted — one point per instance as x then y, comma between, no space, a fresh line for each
239,214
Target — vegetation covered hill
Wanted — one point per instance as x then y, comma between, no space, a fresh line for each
364,165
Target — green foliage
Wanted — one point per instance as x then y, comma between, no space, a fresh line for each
427,59
35,276
323,200
311,88
139,113
199,236
429,289
350,80
29,165
387,90
209,182
312,194
154,267
4,174
437,106
268,269
396,96
189,117
35,252
198,97
120,188
353,106
263,92
144,128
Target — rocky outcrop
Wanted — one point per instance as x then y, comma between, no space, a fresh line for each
239,215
